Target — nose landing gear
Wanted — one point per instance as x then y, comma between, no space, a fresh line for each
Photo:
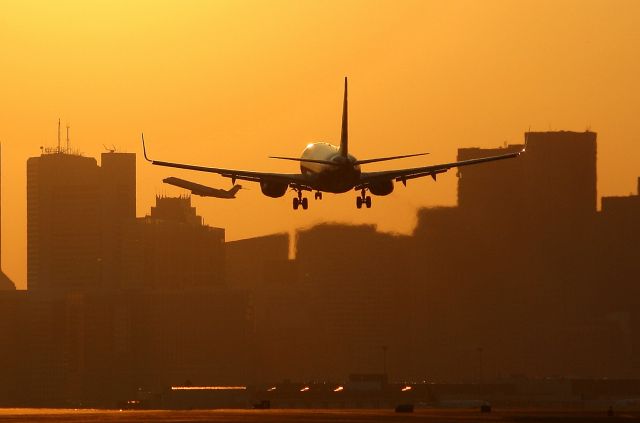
318,195
363,199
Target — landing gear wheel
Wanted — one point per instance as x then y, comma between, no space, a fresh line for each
305,203
359,202
296,203
367,201
318,195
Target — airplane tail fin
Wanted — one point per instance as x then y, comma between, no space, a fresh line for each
344,135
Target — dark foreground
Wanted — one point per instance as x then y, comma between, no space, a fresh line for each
359,416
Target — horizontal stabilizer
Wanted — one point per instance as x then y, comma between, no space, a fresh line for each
202,190
384,159
298,159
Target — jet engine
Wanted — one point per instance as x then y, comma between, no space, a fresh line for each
273,189
381,187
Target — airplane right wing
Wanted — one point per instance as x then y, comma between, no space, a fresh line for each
293,179
402,175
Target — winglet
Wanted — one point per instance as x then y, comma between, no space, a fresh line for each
344,135
144,150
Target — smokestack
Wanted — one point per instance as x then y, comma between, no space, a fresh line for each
5,282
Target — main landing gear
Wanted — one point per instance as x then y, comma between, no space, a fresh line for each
363,199
299,201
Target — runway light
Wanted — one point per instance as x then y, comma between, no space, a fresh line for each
339,389
305,389
208,388
406,388
273,388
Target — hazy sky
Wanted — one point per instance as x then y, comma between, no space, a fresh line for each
227,83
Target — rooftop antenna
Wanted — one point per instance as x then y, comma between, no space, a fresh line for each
68,137
58,135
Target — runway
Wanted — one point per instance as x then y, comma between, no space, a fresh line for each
342,416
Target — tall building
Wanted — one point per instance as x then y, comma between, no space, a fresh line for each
75,216
118,209
63,222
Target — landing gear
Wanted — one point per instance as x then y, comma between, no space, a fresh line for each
363,199
299,201
318,195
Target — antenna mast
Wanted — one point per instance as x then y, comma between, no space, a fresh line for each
58,135
68,137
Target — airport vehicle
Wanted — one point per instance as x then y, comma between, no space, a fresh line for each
203,190
328,168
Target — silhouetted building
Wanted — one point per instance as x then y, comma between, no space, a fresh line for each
76,212
625,209
175,209
118,173
63,222
173,249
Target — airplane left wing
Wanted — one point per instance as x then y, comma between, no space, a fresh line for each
402,175
296,179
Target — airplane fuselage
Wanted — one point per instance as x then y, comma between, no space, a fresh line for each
339,178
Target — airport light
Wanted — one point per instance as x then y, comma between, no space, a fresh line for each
339,389
208,388
305,389
406,388
273,388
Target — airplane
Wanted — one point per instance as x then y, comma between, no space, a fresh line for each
203,190
328,168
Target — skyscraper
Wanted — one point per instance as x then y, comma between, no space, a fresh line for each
75,217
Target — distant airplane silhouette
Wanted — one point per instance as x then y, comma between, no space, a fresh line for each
329,168
203,190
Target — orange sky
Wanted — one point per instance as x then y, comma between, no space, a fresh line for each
228,83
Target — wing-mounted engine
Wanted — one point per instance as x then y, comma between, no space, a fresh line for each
273,189
381,187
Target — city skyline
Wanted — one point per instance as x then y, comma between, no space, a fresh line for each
522,281
226,82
